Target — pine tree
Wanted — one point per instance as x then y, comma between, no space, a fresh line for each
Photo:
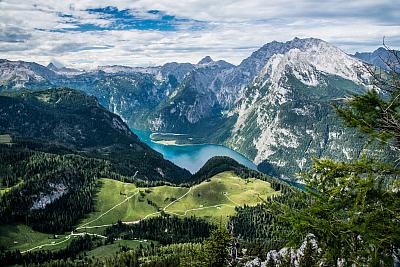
310,255
216,248
353,209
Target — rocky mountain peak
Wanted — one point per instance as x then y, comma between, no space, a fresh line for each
52,67
380,50
205,60
380,57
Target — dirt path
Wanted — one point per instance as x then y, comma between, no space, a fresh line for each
101,215
84,226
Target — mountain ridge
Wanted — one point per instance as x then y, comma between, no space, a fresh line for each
379,58
70,118
239,106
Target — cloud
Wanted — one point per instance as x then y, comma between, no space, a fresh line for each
111,18
147,32
12,34
76,47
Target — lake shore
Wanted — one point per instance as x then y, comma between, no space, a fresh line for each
188,152
170,143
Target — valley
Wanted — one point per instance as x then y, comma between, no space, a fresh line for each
275,107
188,155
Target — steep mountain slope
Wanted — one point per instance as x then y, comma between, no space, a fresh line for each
130,92
193,106
15,75
285,118
77,122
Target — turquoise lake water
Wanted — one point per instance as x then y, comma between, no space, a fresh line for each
192,157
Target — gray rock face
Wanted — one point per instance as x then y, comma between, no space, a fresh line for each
57,191
274,107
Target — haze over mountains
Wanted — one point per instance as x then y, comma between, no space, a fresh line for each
274,107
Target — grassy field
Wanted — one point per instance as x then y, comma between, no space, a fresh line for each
23,237
4,190
217,198
5,139
137,207
213,199
112,249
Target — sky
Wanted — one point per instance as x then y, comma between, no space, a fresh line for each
87,33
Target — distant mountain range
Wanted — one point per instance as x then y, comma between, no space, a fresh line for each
380,58
274,107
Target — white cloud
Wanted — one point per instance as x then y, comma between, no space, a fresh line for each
235,29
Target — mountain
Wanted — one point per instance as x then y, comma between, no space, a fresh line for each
15,75
52,66
77,122
205,60
63,70
274,107
285,117
380,57
194,105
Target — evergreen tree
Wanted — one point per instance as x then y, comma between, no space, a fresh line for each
216,248
310,255
354,206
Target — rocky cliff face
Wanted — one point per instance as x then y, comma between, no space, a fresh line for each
274,107
285,117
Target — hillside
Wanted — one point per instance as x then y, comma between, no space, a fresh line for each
75,121
55,145
213,200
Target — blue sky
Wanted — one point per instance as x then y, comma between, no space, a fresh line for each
130,19
88,33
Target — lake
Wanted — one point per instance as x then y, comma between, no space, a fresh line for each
192,157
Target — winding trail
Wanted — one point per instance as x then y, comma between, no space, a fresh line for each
47,245
101,215
164,209
176,200
68,237
85,226
202,208
231,200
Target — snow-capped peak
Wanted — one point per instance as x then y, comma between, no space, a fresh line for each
311,56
